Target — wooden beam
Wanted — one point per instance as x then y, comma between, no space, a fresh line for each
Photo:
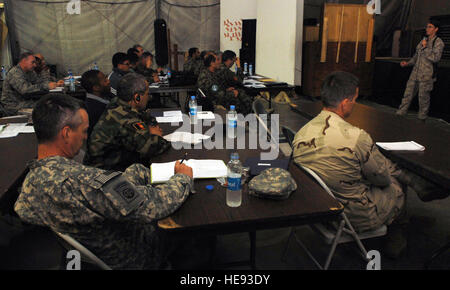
340,35
323,53
357,35
370,39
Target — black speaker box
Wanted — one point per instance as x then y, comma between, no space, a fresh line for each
161,46
248,51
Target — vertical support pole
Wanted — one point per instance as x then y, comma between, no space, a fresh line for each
370,40
323,54
340,35
169,53
175,55
357,35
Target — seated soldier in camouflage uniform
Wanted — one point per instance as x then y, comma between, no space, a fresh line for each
125,134
194,64
121,66
231,79
217,90
112,213
368,184
20,84
144,67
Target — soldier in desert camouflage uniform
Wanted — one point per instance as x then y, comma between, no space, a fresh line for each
428,54
215,87
124,134
369,185
112,213
20,84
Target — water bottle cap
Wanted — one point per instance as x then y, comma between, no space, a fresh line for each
192,97
234,156
232,107
209,187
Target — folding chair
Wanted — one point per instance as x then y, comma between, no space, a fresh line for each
342,232
339,233
88,255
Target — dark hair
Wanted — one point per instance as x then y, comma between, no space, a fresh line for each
338,86
133,57
209,59
90,79
131,84
136,46
203,54
25,55
52,113
146,54
192,51
228,54
436,23
119,58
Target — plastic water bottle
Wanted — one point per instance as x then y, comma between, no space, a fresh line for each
95,66
234,175
169,73
250,70
232,122
193,110
245,68
71,81
3,73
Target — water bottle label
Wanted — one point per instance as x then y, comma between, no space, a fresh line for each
234,183
232,123
193,111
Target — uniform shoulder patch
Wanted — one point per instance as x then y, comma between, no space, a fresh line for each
139,126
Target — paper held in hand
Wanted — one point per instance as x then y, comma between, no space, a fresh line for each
207,168
401,146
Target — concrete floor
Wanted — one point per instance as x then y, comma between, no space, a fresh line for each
429,228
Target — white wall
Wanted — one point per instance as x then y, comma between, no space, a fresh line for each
279,40
232,12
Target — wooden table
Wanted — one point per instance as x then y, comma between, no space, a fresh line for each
432,164
206,212
15,153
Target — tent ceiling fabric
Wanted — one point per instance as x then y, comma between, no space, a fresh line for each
77,41
193,27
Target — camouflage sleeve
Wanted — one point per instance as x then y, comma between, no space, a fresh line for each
23,87
434,54
140,140
374,166
162,200
413,60
240,75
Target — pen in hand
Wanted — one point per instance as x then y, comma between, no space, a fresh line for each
182,160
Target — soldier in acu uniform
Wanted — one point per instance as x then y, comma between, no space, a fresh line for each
231,79
428,54
369,185
218,92
112,213
125,134
20,84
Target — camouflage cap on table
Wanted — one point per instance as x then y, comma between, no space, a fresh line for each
275,183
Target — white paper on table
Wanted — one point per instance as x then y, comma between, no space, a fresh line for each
206,115
172,113
186,137
201,168
401,146
11,130
57,90
27,129
170,119
256,77
154,86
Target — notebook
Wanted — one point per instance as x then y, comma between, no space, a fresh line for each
202,168
401,146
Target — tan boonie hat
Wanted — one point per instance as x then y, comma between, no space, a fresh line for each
274,183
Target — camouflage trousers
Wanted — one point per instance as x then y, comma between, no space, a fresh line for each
243,102
412,87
